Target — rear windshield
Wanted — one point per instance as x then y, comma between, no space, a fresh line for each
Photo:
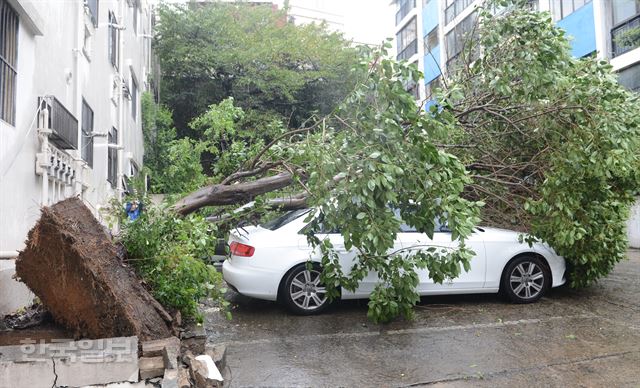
284,219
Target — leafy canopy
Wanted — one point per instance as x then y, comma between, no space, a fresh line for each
552,142
272,68
379,154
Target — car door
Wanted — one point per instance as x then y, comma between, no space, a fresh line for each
347,260
473,279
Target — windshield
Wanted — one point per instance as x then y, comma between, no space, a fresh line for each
284,219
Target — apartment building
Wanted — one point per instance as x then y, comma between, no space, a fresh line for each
71,76
431,33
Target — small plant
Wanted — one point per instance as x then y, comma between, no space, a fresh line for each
170,253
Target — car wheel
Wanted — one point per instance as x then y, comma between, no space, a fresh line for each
525,279
302,291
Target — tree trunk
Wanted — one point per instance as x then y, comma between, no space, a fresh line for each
219,195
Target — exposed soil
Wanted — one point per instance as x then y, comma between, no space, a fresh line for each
33,324
71,264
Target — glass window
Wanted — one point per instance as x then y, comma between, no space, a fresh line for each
284,219
112,157
92,8
624,9
87,133
114,35
134,98
431,87
404,7
464,33
431,40
630,77
8,62
135,18
406,40
563,8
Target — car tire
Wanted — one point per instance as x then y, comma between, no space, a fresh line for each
525,279
302,292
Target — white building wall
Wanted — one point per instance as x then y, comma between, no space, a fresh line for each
51,61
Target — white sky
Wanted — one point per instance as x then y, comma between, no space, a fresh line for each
364,21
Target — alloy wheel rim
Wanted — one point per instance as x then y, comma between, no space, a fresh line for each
527,280
306,291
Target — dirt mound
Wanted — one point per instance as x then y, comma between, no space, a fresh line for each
71,264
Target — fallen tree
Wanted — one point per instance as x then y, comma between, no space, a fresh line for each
71,264
523,134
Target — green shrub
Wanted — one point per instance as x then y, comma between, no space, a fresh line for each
170,253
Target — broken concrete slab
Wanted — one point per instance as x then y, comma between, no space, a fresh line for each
154,348
183,378
151,367
69,363
193,339
209,376
71,264
170,378
218,354
170,355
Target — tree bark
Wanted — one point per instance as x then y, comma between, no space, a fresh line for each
220,195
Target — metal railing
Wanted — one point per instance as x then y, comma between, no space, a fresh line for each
408,51
63,124
626,36
405,8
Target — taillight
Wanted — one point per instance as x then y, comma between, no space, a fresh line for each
242,250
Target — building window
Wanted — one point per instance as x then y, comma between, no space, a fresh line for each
407,40
114,37
112,158
430,87
404,7
135,17
625,34
630,77
87,133
462,39
134,98
92,9
431,40
455,8
563,8
8,62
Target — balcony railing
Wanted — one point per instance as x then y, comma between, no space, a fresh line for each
405,8
63,125
626,36
408,51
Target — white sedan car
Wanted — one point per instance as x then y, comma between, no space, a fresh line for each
269,262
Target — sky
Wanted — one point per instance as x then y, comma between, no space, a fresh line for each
364,21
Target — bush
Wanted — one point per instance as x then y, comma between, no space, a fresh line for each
170,253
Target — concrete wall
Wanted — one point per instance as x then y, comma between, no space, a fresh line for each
54,60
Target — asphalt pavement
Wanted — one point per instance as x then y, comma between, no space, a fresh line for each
570,338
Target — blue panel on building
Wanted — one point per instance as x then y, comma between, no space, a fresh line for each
432,65
580,27
429,16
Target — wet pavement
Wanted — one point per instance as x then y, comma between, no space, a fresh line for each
584,338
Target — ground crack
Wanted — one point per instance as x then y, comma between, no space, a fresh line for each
55,381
